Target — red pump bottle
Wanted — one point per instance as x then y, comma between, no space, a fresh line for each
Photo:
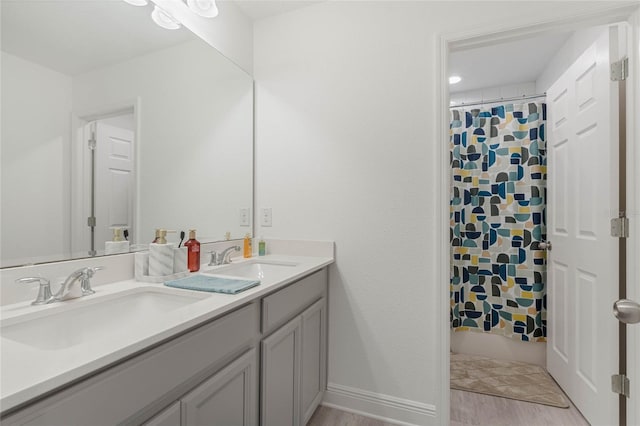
193,252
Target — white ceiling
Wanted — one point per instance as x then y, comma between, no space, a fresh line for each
504,64
259,9
73,36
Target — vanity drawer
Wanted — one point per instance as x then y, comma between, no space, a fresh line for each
281,306
120,394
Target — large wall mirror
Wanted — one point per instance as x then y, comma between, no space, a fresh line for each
109,121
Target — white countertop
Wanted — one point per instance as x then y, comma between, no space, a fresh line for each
29,372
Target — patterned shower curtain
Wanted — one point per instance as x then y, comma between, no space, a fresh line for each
497,220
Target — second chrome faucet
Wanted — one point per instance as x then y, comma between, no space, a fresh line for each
222,258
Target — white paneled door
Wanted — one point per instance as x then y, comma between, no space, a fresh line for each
114,185
582,275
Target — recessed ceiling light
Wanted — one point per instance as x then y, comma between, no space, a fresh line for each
164,19
138,2
204,8
455,79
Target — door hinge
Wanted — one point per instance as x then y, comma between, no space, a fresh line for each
620,227
620,70
91,142
620,384
91,221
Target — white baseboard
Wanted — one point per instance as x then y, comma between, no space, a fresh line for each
378,406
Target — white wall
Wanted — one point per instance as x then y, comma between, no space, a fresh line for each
566,56
498,347
36,116
345,137
195,142
231,32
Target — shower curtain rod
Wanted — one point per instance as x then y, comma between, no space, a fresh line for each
493,101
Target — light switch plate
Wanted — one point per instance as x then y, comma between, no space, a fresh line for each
245,217
265,217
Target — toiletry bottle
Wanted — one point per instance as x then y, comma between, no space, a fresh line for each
262,247
193,251
247,246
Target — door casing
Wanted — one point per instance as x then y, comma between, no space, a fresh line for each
500,33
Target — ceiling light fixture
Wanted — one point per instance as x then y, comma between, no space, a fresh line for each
164,19
454,79
138,2
204,8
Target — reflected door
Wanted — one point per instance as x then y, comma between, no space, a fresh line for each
114,181
582,276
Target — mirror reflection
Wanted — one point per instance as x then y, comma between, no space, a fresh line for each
113,124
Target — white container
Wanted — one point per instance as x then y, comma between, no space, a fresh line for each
142,264
116,247
160,259
179,259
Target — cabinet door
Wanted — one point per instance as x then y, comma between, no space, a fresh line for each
228,398
313,359
280,375
168,417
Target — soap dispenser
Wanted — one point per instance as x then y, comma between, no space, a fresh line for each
193,251
160,255
247,246
118,244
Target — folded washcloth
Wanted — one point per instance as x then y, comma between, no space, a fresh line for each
213,284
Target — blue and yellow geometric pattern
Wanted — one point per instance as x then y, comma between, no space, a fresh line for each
497,220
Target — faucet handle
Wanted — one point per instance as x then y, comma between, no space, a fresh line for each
213,261
85,282
90,271
44,291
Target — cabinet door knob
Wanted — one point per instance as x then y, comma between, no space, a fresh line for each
545,245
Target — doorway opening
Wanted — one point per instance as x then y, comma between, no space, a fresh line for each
103,200
487,96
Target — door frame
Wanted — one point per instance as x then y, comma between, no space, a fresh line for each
498,33
77,184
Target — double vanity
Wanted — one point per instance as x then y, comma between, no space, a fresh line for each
139,353
112,150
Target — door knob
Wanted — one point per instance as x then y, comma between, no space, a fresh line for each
544,245
627,311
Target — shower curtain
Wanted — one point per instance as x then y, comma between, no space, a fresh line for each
497,219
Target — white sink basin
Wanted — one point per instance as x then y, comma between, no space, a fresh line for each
255,269
81,322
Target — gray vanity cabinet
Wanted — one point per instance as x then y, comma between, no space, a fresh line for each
168,417
227,398
132,392
281,376
313,363
293,365
212,374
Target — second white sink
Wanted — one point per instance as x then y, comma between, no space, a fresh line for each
255,269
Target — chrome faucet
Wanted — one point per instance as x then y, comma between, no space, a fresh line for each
84,276
223,257
65,291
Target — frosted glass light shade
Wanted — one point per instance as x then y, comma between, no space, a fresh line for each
205,8
454,79
138,2
164,19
